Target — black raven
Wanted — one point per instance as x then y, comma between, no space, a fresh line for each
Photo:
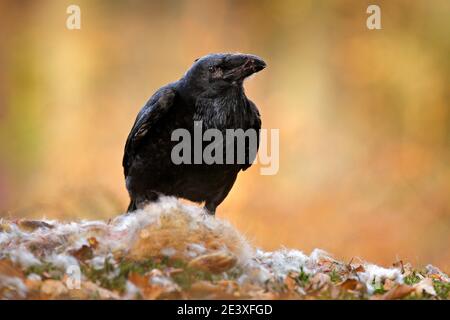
212,92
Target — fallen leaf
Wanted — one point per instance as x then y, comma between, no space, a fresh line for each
397,292
8,269
290,283
214,262
138,280
318,281
54,289
359,268
149,291
334,292
349,284
389,284
31,225
84,253
91,289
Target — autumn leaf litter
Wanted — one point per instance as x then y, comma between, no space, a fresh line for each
171,250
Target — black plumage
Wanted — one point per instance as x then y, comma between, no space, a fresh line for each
211,91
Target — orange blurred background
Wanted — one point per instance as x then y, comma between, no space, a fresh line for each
364,116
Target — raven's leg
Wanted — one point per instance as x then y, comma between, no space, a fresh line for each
141,201
212,204
132,206
211,208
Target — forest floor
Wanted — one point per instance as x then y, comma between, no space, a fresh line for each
171,250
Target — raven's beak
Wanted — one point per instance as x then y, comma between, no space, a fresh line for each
240,66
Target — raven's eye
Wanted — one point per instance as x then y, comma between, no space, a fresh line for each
212,69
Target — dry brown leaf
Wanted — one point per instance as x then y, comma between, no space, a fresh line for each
349,284
31,225
90,290
54,289
359,268
8,269
318,281
152,292
290,283
102,293
34,288
335,292
397,292
228,285
214,262
389,284
138,280
149,291
84,253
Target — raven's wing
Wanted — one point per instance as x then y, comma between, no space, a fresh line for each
254,123
154,109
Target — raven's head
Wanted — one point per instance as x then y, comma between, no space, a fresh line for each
214,74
